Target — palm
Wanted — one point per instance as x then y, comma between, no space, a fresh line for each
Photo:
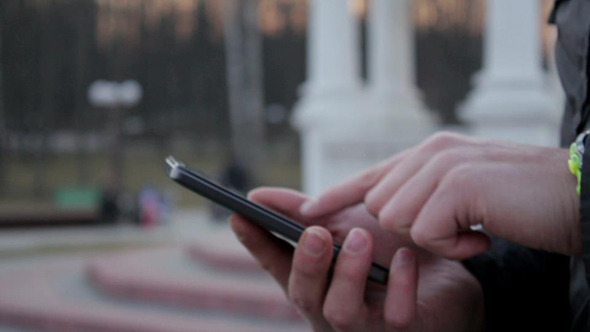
443,300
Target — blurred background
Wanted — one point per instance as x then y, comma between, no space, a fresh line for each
94,94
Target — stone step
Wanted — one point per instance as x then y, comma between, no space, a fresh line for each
223,258
171,276
56,296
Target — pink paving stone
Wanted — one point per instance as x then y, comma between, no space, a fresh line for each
224,259
154,275
30,297
221,248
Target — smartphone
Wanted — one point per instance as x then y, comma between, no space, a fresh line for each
262,216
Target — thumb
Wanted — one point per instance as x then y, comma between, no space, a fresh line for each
445,223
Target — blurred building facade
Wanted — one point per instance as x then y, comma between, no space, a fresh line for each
360,103
347,124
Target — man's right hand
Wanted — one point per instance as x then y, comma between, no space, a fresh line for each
437,191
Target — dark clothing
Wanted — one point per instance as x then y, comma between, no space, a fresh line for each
526,289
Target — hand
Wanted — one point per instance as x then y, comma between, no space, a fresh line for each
424,292
435,192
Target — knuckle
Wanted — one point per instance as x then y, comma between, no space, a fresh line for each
265,265
385,220
372,204
304,303
339,317
307,271
396,321
403,280
396,217
420,237
443,140
367,179
249,243
448,158
389,218
463,176
348,274
433,242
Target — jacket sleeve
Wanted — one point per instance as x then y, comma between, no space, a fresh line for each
580,268
524,289
585,210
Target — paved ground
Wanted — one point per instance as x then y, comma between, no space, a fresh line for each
56,260
183,225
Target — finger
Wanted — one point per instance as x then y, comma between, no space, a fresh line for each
402,290
309,275
400,211
273,254
376,198
439,143
351,191
284,201
443,226
344,307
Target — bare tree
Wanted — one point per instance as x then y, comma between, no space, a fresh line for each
42,123
83,40
2,117
243,47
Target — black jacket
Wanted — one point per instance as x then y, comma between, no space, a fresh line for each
533,290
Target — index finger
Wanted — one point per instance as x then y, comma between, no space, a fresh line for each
284,201
351,191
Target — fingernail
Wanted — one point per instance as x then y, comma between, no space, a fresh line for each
356,241
314,242
307,207
403,257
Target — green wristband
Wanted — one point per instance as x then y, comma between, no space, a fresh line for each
575,162
575,165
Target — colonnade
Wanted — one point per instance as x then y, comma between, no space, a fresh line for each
346,124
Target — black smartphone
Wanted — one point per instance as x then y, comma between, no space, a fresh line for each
262,216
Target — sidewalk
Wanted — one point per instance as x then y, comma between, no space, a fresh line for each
185,225
191,274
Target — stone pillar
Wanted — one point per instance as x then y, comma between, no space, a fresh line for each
333,54
344,126
512,99
392,74
331,95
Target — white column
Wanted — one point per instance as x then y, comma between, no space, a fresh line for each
511,99
391,46
331,96
333,54
512,42
392,62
